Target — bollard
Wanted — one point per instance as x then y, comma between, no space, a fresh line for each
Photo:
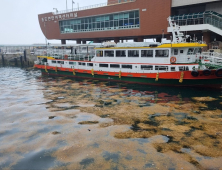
25,59
16,61
3,60
21,61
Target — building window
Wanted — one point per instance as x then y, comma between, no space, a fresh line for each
114,66
109,53
99,53
123,20
162,53
146,67
120,53
127,66
53,61
146,53
104,65
133,53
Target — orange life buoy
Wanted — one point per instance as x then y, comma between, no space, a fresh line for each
66,57
173,59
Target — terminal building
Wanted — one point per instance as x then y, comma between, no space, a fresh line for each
134,20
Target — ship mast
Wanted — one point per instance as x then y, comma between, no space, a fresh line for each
178,37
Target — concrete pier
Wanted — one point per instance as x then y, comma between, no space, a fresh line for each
25,60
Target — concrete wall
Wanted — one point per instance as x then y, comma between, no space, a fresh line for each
217,7
177,3
14,59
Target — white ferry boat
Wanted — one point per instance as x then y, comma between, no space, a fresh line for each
170,63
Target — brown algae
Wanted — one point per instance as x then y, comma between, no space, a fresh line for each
88,122
189,131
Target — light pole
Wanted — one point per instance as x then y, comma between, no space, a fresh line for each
72,4
66,6
55,10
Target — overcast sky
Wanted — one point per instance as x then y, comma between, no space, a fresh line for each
19,19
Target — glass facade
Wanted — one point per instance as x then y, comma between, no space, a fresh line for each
116,21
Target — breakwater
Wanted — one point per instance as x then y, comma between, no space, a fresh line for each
25,59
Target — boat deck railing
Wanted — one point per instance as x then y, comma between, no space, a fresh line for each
210,54
212,58
71,57
207,17
65,50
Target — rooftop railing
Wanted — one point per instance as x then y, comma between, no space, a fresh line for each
108,3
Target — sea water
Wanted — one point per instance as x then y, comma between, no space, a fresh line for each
61,123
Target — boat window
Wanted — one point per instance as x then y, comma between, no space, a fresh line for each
44,60
146,53
82,64
72,63
184,68
99,53
197,51
127,66
162,53
173,69
53,61
190,51
60,62
133,53
181,68
181,51
120,53
114,66
103,65
91,48
84,48
90,64
165,68
109,53
146,67
175,51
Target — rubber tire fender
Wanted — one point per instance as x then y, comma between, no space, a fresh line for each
207,72
194,73
219,72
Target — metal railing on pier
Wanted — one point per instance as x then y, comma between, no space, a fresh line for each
207,17
49,50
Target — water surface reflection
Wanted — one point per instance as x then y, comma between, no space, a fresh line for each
57,123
